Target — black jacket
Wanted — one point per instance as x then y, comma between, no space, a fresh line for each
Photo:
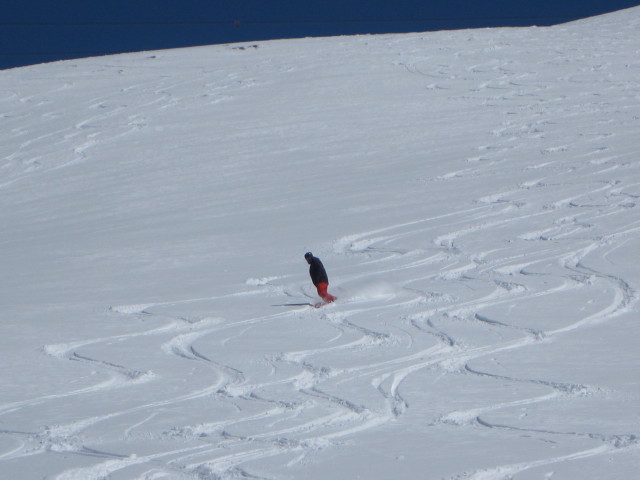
317,271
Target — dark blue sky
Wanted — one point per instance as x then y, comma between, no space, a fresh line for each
36,31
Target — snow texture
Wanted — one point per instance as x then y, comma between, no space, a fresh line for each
472,194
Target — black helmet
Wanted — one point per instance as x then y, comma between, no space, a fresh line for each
308,255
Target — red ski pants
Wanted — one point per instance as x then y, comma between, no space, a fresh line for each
322,291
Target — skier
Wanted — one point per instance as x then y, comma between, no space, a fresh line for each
319,277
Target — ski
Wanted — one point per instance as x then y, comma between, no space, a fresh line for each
305,304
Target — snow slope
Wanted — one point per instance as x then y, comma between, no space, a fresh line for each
473,195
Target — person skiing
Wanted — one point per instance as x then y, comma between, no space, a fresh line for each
319,277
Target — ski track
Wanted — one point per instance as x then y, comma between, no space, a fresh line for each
299,402
408,333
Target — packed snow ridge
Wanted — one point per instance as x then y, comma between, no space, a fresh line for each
472,194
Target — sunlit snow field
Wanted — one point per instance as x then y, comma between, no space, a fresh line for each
472,194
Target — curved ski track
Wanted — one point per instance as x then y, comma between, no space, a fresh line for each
298,402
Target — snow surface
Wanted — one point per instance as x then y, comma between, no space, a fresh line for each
473,195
